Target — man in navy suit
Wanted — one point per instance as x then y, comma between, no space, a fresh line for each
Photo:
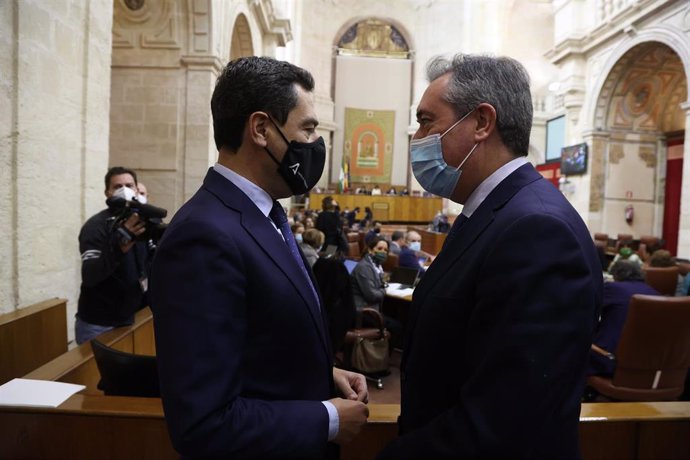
501,323
243,351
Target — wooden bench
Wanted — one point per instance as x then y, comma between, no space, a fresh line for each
78,364
89,425
32,336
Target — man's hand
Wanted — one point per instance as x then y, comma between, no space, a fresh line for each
135,227
351,385
352,416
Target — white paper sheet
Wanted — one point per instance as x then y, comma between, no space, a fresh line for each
36,393
394,290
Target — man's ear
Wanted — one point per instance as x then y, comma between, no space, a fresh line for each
486,121
257,128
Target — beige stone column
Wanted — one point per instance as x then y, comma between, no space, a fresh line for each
598,143
684,230
199,151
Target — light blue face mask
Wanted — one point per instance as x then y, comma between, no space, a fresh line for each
298,238
430,169
415,245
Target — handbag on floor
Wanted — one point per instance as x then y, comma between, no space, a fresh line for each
371,356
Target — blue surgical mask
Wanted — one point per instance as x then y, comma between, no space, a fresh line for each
298,238
415,245
430,169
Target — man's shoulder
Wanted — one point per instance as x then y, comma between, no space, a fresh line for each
98,219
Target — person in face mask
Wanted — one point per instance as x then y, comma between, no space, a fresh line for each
373,232
411,254
230,288
142,193
369,288
114,270
504,315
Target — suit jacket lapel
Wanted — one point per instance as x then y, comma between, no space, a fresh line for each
260,228
469,232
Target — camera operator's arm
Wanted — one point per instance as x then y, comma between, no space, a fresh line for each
102,247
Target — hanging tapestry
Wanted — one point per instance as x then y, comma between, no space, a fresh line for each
369,144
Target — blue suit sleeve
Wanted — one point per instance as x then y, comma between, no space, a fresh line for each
200,306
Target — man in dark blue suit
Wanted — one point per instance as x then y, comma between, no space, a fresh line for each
501,323
243,351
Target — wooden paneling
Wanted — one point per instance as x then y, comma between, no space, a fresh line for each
399,208
87,427
432,242
32,336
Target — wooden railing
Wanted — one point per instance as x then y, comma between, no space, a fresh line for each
385,208
78,364
32,336
90,425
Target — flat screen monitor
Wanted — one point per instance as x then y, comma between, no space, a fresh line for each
574,160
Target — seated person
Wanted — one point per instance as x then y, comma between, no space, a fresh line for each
391,191
626,253
396,240
369,288
663,258
312,241
376,190
627,281
411,254
373,232
298,231
404,192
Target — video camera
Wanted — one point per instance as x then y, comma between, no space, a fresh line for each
151,215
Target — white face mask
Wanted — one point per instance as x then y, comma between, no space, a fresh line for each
142,199
125,193
416,245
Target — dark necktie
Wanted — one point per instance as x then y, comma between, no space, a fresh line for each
279,218
455,229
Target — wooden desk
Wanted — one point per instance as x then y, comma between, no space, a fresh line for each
384,207
87,427
90,425
32,336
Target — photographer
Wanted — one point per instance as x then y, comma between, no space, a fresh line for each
115,260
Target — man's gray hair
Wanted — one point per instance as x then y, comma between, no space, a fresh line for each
499,81
626,270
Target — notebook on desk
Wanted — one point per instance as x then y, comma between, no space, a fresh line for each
405,276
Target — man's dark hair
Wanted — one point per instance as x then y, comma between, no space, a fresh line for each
397,234
625,270
501,82
252,84
327,204
117,171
